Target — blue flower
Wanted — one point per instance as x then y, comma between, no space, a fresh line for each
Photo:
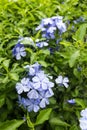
71,101
83,119
36,89
62,81
33,105
29,104
47,21
22,101
84,113
33,69
61,26
83,123
41,81
41,44
49,26
33,94
23,86
19,51
44,95
51,29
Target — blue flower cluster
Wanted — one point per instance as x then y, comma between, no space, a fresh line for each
83,119
37,87
49,26
19,51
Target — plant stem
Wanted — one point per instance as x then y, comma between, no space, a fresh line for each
30,124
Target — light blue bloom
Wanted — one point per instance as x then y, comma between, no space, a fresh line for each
33,105
62,81
23,101
48,35
44,102
44,96
49,26
84,113
71,101
61,26
83,119
29,104
41,44
23,86
33,69
37,89
83,123
57,18
19,51
51,29
41,81
47,21
33,94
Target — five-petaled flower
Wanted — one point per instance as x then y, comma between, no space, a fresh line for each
19,51
23,86
62,81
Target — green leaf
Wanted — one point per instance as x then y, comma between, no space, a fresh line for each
80,102
80,33
9,103
57,122
74,127
52,100
6,64
11,125
2,100
14,76
43,116
1,59
43,63
30,124
46,52
73,58
58,128
76,73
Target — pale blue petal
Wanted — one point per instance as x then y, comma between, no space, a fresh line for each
66,85
36,108
49,93
19,88
23,54
44,86
18,57
35,79
50,84
65,80
30,108
59,80
37,85
44,102
22,49
33,94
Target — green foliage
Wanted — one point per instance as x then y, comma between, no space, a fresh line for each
43,116
57,122
19,18
11,125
